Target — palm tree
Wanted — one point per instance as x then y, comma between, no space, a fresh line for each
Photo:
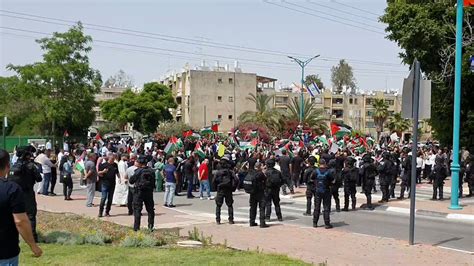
398,124
380,115
265,115
312,117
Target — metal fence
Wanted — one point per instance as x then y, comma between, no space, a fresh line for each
13,141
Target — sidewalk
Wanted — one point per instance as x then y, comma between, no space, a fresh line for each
309,244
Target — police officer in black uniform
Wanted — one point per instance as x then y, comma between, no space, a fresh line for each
395,173
309,184
274,179
406,178
368,171
25,173
350,176
323,179
144,181
336,184
258,196
385,169
223,180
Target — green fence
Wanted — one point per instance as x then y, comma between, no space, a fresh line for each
12,141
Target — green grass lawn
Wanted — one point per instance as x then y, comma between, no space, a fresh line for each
55,254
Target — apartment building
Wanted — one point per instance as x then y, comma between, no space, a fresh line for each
106,93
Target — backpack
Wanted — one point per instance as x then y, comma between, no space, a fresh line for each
228,180
370,171
146,180
353,175
18,175
61,163
250,182
321,185
274,178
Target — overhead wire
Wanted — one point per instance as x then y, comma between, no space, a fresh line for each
356,8
340,11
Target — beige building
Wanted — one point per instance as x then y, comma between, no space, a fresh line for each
206,96
106,93
354,110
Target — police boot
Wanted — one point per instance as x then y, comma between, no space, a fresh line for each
354,205
308,207
231,215
338,205
327,222
441,193
369,202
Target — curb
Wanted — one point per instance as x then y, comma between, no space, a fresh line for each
427,213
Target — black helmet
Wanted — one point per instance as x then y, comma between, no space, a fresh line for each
270,163
386,155
367,158
142,159
332,163
311,160
350,161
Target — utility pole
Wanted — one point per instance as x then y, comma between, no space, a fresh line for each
455,167
5,125
302,64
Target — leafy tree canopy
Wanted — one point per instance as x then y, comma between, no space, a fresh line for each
145,109
59,88
426,30
120,80
314,78
342,75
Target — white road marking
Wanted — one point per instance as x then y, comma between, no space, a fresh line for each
459,216
458,250
399,210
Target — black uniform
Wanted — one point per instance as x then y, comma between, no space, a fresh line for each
385,169
470,177
350,175
144,180
322,178
368,171
309,185
395,173
224,182
336,173
439,174
274,180
406,178
27,179
257,198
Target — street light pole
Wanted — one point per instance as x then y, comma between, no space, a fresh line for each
302,64
455,167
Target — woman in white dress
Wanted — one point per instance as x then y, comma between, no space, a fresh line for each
121,187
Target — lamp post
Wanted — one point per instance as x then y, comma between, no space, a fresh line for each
455,167
302,64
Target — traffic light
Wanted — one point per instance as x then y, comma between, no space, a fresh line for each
468,3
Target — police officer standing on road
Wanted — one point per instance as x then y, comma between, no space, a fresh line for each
385,169
323,179
368,171
350,176
225,182
272,191
254,184
337,183
25,173
439,175
310,184
144,182
406,178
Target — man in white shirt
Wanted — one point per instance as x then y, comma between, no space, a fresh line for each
46,164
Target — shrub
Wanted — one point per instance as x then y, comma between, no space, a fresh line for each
97,238
139,239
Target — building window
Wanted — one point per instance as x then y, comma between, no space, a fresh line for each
355,101
337,101
219,117
281,99
219,98
370,113
369,101
231,81
338,113
350,101
369,124
219,80
390,102
231,117
231,98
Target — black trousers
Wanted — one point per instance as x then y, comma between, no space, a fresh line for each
418,175
335,195
130,200
369,183
107,195
324,198
350,192
309,198
224,195
67,187
31,210
393,184
140,198
272,195
257,199
54,178
385,187
438,188
405,186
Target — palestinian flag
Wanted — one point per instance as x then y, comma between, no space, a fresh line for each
198,150
187,134
206,130
340,130
370,141
323,140
215,128
253,133
172,145
80,166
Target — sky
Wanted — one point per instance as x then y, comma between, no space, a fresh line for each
148,39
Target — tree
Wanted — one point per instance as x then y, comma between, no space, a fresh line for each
145,110
62,86
342,75
120,80
265,115
426,30
314,78
173,128
398,124
380,115
312,117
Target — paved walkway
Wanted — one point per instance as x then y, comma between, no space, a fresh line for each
309,244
